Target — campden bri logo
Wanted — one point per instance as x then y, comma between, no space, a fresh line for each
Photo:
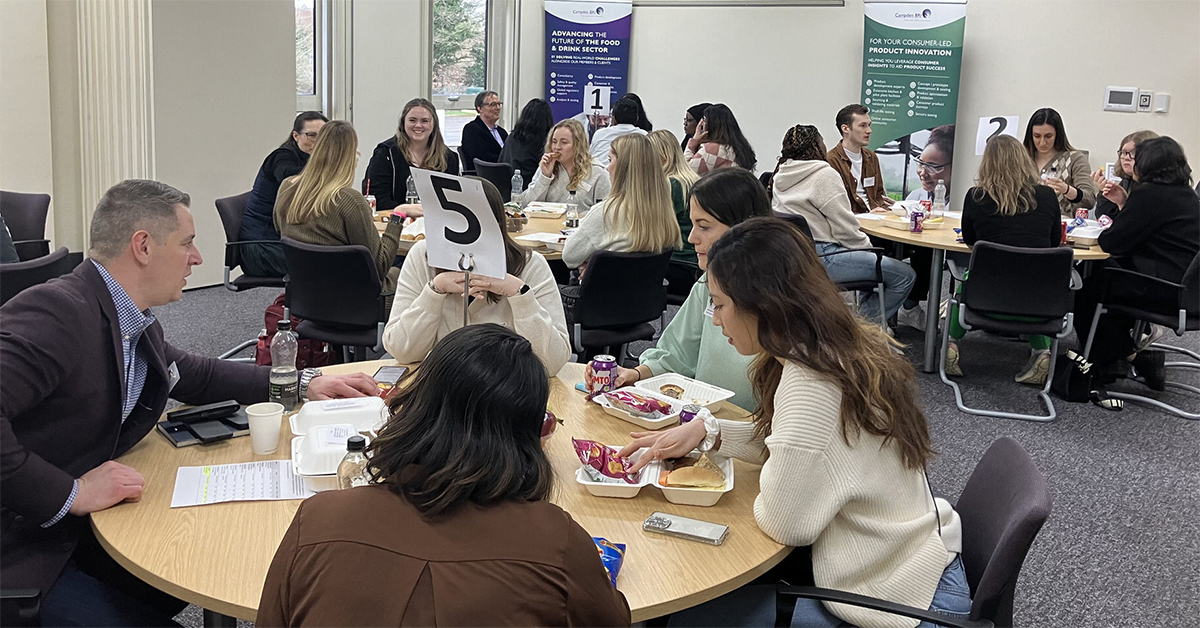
923,15
596,11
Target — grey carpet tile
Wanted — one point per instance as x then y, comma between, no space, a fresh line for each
1121,547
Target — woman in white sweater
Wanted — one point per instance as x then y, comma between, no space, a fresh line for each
567,168
805,184
840,436
429,305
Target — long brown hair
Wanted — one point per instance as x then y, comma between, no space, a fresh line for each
768,269
515,255
1008,175
435,155
328,173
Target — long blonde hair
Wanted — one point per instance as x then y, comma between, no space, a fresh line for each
640,203
1008,175
582,164
1137,137
435,153
330,170
671,156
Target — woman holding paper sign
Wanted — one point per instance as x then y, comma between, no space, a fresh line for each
567,167
418,143
321,206
429,305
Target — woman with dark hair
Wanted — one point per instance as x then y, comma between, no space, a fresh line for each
418,143
428,304
719,143
806,185
691,345
1064,169
258,223
1156,233
523,148
643,122
1114,193
457,526
840,436
691,119
935,163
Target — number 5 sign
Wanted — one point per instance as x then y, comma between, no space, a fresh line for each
460,224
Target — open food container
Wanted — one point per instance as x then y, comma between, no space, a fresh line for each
545,209
1086,236
652,473
694,391
896,222
612,487
648,423
366,414
316,455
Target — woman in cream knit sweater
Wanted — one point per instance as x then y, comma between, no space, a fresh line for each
838,431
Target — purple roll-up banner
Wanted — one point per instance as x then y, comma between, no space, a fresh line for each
587,56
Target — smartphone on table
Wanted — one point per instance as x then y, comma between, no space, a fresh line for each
387,377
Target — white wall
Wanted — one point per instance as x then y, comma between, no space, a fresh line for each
26,164
224,97
61,25
780,66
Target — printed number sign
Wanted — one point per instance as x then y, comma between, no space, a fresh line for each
596,99
991,126
459,224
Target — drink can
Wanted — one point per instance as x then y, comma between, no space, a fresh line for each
688,413
370,201
1064,229
1081,213
927,205
604,371
916,218
1105,221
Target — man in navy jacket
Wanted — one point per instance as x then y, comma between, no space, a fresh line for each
483,138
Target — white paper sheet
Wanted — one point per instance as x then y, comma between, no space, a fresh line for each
549,238
248,481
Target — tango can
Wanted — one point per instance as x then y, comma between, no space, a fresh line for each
689,412
604,372
916,219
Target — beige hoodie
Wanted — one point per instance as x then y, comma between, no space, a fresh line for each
813,189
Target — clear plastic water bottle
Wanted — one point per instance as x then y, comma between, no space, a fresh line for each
572,211
411,196
285,380
518,184
352,471
939,199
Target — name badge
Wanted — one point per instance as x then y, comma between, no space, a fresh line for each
172,377
584,186
868,182
708,311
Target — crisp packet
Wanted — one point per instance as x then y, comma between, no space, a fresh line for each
1105,221
646,407
612,556
1078,222
604,460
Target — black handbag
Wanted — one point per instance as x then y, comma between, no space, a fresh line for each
1072,378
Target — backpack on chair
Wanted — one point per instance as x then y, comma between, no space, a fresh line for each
309,353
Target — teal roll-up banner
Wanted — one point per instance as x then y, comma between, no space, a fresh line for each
912,56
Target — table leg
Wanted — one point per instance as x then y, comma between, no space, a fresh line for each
932,308
214,619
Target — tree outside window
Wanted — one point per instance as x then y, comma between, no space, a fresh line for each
459,60
305,49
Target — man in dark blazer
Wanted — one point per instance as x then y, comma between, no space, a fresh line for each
86,374
483,138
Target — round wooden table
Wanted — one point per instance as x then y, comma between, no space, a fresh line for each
536,225
216,556
940,241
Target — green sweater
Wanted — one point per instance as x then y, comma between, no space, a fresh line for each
692,346
686,255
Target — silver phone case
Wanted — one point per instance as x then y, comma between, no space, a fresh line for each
686,528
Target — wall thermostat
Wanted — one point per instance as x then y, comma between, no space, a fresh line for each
1145,99
1121,99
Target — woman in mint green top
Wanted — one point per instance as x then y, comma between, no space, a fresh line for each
691,345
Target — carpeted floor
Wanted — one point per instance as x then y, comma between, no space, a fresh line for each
1122,546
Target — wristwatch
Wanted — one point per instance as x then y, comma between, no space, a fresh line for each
712,430
397,218
306,378
524,288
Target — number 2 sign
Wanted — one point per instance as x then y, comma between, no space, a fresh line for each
596,99
991,126
459,224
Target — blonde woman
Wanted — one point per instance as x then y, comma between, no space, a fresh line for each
638,217
1119,190
684,267
567,167
1009,205
418,143
321,206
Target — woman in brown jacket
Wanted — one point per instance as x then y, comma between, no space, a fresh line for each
458,530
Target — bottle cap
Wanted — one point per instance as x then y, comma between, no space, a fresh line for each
284,325
356,443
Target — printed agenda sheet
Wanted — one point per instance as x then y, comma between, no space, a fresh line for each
249,481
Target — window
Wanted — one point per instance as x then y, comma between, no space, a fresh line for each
460,29
306,69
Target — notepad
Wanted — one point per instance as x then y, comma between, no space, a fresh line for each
248,481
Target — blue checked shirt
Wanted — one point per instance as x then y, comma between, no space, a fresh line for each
132,323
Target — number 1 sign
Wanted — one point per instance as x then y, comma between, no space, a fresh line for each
460,226
596,99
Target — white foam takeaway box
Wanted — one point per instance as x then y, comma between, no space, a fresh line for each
649,475
694,391
316,455
366,414
619,489
685,496
650,424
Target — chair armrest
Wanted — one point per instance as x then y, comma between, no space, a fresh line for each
244,242
956,271
1134,273
21,607
1076,280
784,593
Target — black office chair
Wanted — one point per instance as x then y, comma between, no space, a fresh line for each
1002,509
335,291
1185,319
680,279
25,216
20,607
231,209
499,174
868,285
1012,281
18,276
467,165
619,295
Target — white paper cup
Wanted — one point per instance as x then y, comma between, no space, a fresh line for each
266,419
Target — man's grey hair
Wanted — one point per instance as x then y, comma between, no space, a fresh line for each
482,96
130,206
